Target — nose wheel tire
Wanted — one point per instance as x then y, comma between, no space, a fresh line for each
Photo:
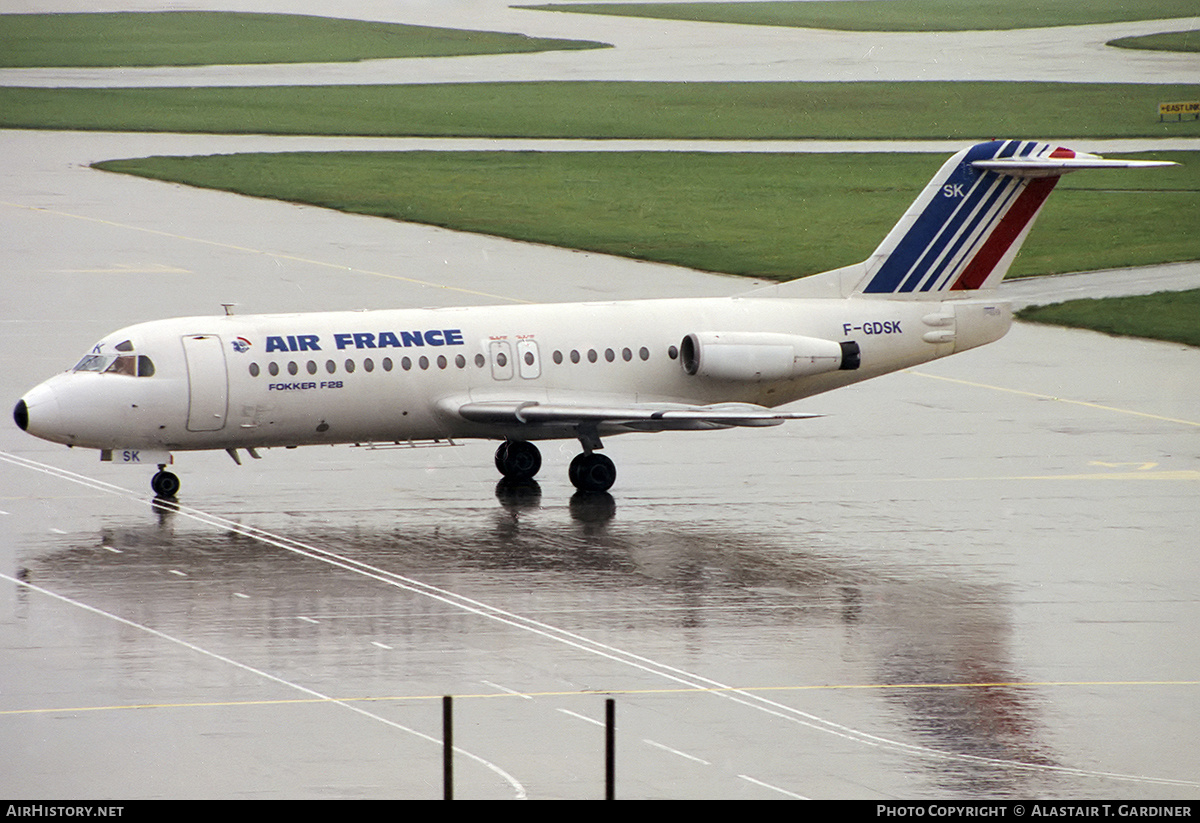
518,459
592,472
165,484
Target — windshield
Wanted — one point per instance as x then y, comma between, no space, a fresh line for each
128,364
95,362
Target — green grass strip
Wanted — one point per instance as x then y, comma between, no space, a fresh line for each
220,38
899,15
777,216
1172,316
966,111
1182,41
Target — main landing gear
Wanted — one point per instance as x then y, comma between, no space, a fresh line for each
520,460
165,484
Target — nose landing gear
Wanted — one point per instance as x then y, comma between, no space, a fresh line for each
165,484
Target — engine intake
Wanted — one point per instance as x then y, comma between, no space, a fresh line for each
758,356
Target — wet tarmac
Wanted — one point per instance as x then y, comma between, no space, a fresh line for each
975,578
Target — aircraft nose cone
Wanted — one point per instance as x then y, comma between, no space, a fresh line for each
38,414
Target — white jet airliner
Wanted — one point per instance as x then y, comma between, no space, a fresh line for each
578,371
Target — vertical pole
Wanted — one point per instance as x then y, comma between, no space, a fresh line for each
447,750
610,764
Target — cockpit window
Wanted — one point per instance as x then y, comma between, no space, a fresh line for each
94,362
128,364
125,364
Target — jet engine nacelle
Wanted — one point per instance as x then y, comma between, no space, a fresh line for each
758,356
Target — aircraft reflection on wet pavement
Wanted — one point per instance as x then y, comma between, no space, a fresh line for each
745,598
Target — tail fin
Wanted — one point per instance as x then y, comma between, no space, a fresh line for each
965,228
963,231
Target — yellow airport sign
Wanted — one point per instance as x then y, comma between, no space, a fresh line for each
1179,109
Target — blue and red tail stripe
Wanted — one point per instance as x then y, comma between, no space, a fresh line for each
989,255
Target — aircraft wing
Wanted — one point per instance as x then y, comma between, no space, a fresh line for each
635,416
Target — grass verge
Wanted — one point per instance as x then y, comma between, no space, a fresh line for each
1183,41
776,216
1171,316
897,15
180,38
965,111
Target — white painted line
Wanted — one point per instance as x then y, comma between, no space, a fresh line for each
381,645
505,690
675,751
306,619
581,717
792,795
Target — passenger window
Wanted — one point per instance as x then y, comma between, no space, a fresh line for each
292,367
387,364
557,357
350,367
254,370
369,364
644,353
626,355
312,367
273,368
330,366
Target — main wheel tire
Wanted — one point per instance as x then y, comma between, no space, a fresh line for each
592,472
518,459
165,484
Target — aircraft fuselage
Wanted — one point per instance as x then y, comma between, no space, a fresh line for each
381,376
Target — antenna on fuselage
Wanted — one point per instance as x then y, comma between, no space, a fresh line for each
228,308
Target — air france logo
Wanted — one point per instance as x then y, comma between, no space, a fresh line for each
367,340
241,345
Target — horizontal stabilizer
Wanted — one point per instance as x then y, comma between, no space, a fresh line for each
1060,162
